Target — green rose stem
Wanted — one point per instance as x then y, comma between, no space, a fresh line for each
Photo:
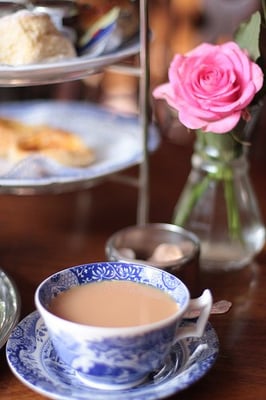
233,220
221,149
195,194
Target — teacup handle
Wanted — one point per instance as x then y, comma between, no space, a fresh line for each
203,305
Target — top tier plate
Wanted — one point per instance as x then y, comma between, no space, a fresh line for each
67,70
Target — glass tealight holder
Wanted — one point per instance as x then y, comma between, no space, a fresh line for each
161,245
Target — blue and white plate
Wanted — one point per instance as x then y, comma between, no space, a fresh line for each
34,361
115,139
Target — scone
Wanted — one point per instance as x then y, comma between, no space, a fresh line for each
29,37
19,140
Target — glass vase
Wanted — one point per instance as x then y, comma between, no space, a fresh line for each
219,205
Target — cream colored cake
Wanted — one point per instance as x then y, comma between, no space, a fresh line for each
28,37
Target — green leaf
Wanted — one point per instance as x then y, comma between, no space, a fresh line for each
247,35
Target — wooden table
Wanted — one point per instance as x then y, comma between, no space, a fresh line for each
42,234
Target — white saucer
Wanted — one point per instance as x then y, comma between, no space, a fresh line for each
33,360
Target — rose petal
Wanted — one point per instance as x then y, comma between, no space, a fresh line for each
223,125
165,92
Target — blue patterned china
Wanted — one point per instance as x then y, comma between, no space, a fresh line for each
116,141
116,358
34,361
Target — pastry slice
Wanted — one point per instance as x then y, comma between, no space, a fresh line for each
20,140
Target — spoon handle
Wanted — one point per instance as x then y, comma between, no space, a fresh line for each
219,307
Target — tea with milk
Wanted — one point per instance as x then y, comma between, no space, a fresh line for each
114,304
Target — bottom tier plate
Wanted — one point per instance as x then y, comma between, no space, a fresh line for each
116,140
33,360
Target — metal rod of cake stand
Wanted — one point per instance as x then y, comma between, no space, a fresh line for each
144,107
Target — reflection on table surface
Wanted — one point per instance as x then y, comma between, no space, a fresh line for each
42,234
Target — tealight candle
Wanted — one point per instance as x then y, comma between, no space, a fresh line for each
164,246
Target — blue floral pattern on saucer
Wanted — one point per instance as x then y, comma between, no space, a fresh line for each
33,360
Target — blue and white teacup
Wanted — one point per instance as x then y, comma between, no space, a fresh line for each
118,358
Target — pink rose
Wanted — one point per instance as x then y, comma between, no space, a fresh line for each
211,86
